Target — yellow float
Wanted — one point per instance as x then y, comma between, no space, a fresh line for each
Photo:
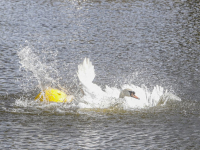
54,95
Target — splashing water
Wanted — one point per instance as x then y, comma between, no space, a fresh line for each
39,71
95,97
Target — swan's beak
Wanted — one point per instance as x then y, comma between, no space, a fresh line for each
135,97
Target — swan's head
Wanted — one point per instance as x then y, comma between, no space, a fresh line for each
132,94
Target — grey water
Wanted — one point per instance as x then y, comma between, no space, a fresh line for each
148,42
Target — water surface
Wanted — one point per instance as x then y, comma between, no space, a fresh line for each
140,43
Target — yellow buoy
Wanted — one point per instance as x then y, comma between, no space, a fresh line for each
54,95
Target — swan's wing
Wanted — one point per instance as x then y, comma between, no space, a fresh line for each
86,76
86,72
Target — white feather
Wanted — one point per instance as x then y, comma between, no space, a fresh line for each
86,75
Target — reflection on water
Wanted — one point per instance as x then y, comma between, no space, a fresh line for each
129,42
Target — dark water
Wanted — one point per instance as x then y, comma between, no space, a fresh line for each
150,42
